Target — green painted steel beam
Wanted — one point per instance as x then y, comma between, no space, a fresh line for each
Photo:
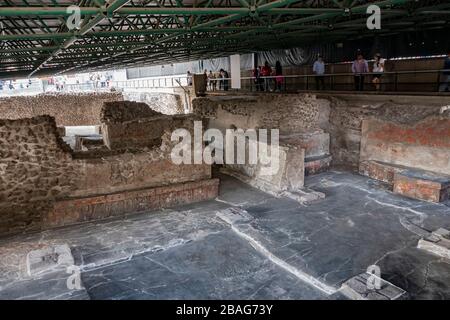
271,7
220,35
115,5
87,26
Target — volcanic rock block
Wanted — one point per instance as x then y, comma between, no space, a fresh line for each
357,288
437,243
61,131
423,185
128,124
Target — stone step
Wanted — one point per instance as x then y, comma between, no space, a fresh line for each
422,185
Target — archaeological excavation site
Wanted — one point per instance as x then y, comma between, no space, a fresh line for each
201,152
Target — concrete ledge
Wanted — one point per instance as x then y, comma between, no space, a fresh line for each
77,210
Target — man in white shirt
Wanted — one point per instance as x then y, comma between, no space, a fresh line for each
319,71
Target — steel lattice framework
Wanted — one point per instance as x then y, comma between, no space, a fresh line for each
35,39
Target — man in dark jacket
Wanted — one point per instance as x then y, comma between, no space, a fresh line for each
445,84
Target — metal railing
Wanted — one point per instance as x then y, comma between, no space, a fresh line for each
394,81
17,89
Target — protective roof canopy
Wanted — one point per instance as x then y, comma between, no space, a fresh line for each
38,36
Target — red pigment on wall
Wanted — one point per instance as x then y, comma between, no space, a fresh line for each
435,133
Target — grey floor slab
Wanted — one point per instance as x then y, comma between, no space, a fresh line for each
279,251
219,266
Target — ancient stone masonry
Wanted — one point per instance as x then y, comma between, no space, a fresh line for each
165,103
46,184
35,169
301,120
67,109
135,125
289,113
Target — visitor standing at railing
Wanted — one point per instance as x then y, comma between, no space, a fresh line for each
445,86
319,71
378,69
266,72
257,78
223,83
189,78
278,76
211,81
359,67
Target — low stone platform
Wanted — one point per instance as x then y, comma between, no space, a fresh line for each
409,182
77,210
423,185
378,170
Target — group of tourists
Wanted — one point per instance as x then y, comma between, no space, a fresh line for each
268,79
213,80
360,67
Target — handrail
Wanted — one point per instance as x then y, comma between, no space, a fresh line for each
391,82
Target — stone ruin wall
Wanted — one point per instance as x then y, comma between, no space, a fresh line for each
348,113
35,169
339,115
165,103
83,109
290,113
40,177
67,109
128,124
296,116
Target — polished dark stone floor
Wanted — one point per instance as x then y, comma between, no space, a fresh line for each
273,248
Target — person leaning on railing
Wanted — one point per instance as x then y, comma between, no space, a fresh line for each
278,76
378,69
266,72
